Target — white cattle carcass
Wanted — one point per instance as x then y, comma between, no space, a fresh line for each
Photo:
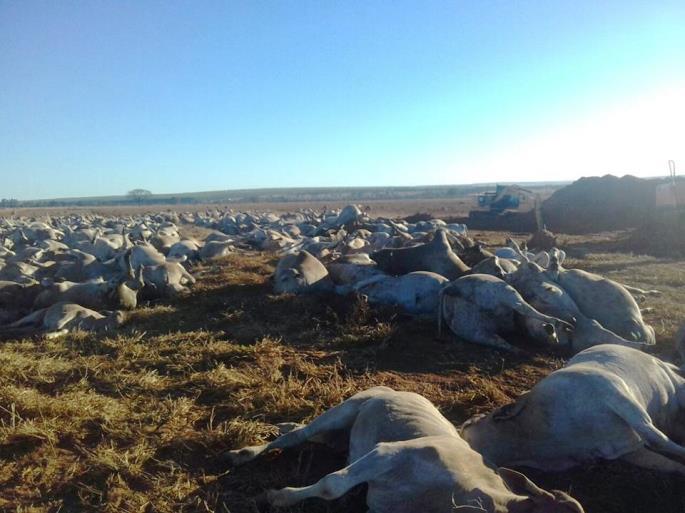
480,308
62,318
301,272
116,293
165,280
608,402
184,250
416,293
412,459
602,299
536,287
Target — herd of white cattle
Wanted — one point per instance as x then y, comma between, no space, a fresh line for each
612,400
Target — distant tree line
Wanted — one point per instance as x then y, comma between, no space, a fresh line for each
172,200
352,194
9,203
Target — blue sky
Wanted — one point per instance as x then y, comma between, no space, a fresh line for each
97,98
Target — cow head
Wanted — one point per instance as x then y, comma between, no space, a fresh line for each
556,259
491,266
540,330
112,321
289,280
123,291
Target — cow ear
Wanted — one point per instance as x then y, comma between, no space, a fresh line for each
562,256
509,411
520,484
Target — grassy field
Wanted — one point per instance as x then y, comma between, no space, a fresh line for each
138,421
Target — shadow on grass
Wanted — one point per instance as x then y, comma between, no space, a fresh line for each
332,327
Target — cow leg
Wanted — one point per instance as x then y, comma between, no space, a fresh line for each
659,442
484,338
339,417
370,466
64,322
651,460
635,291
33,319
55,334
331,439
621,402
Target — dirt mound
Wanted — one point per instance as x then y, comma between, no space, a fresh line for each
597,204
661,235
543,240
418,217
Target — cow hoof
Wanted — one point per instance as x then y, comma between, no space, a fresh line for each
287,427
241,456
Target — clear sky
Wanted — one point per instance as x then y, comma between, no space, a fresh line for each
99,97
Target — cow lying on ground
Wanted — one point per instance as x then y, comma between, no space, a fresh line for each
415,293
413,460
480,308
604,300
538,289
165,280
301,272
61,318
608,402
108,295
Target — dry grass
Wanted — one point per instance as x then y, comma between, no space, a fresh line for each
137,422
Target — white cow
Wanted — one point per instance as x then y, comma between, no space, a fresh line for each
416,293
609,402
62,318
602,299
536,287
480,308
301,272
413,460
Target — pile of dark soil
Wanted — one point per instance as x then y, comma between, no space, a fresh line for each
418,217
662,235
543,240
598,204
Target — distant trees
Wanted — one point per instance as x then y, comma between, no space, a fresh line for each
139,195
9,203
